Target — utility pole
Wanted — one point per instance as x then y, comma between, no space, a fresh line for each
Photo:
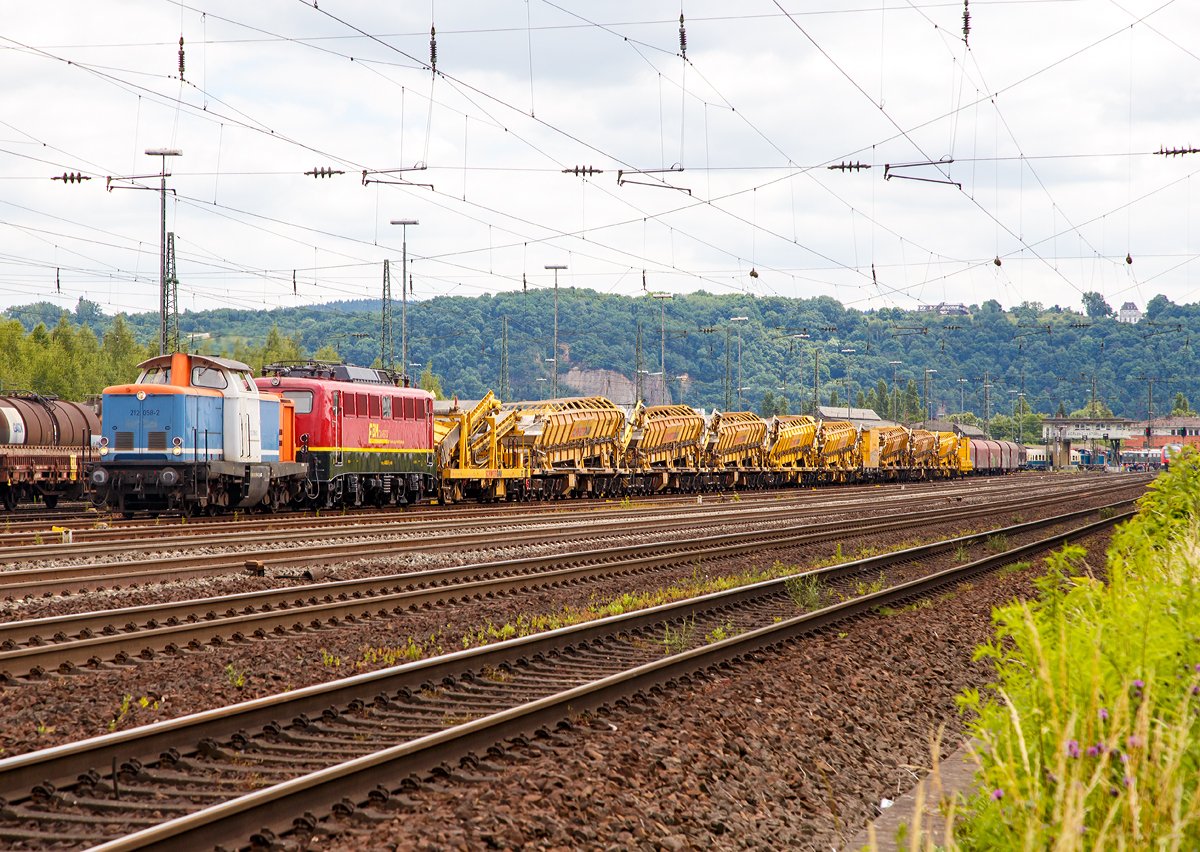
896,388
504,389
405,281
637,378
739,320
987,404
387,355
962,396
555,267
845,377
728,371
172,300
929,394
164,309
662,362
800,409
816,380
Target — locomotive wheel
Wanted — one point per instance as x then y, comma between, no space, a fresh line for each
51,500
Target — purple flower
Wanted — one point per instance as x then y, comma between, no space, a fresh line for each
1093,751
1196,667
1133,741
1114,792
1073,749
1139,684
1196,690
1128,780
1124,758
1103,714
997,794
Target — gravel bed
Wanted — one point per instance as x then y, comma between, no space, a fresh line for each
64,709
795,752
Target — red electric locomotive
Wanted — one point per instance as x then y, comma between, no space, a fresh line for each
366,440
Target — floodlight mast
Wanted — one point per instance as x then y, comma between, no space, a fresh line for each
164,307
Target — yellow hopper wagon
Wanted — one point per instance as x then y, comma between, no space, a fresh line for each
665,449
735,448
885,452
839,451
923,452
947,453
574,445
792,448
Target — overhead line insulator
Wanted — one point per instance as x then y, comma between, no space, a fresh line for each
324,171
583,171
433,49
1177,152
181,57
966,22
71,177
682,38
849,167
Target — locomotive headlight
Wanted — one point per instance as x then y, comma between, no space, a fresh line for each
178,446
168,477
103,450
104,440
99,476
141,394
178,451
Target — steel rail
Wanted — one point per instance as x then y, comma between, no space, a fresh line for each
117,540
278,611
63,764
62,579
277,807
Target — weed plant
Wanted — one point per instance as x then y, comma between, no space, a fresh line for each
1090,737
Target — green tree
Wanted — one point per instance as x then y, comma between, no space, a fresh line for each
767,409
431,382
1181,408
833,398
1095,305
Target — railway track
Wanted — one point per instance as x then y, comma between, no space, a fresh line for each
106,526
194,556
63,643
197,781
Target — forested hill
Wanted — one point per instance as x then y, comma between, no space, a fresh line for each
1050,354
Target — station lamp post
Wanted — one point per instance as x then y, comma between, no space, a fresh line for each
896,388
164,297
404,223
739,320
845,376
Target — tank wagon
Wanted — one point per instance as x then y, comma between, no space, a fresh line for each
46,449
194,433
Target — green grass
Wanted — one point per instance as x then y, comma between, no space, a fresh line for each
1090,731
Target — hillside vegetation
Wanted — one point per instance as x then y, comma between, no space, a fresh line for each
1049,354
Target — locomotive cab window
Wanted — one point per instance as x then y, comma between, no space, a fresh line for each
373,402
362,404
302,398
156,376
387,408
408,408
209,377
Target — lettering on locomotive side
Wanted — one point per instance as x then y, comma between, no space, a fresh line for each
144,412
376,434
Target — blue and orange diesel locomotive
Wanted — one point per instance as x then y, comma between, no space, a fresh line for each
194,433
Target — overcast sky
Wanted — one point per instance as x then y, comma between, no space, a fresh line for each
1051,111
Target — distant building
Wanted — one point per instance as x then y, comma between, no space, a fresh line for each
963,429
1163,431
944,309
1129,313
1059,433
863,418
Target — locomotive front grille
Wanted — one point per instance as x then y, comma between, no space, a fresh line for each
156,440
124,441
